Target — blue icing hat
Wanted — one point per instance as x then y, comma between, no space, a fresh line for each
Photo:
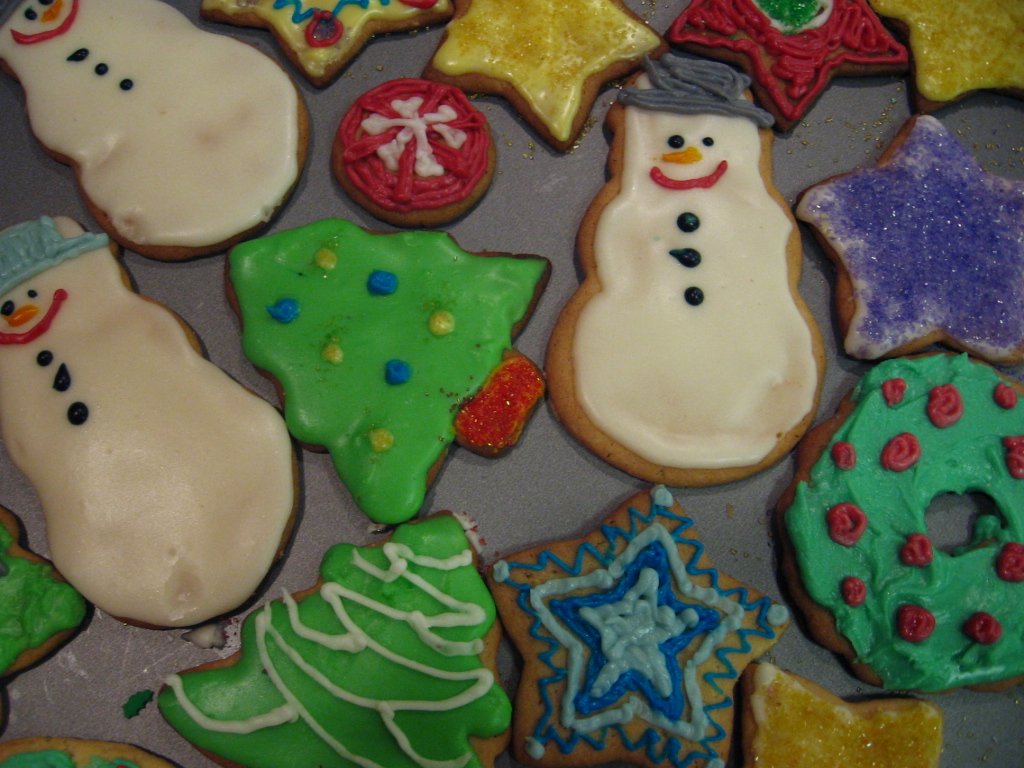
33,247
691,86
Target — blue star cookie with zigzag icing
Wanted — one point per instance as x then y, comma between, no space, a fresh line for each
632,642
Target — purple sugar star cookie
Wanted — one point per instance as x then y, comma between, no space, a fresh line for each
929,248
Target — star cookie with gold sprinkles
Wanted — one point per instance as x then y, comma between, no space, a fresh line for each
792,722
959,48
791,49
632,642
321,37
548,59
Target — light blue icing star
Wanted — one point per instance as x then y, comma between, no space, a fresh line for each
632,631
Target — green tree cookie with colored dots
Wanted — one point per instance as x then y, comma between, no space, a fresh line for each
376,341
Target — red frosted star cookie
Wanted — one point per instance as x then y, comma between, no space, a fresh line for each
790,49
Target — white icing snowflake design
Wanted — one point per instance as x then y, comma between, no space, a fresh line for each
414,127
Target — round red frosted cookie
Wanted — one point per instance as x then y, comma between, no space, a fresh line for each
414,153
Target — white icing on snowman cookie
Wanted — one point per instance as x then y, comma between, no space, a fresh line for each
181,137
694,353
166,486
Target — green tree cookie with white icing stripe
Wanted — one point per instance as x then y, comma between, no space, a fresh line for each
387,662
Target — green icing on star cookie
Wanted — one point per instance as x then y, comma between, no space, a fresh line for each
378,666
55,758
34,604
347,322
794,15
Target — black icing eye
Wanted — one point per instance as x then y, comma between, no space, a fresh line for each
676,141
7,309
30,14
708,141
33,294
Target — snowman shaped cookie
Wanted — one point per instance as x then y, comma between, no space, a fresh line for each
168,488
687,356
182,141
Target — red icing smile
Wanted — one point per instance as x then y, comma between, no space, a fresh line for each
39,328
701,182
22,38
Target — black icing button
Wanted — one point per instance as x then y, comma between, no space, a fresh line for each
688,257
126,84
80,55
688,222
102,69
44,358
694,296
62,381
78,413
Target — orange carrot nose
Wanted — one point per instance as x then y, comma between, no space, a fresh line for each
53,11
683,156
22,315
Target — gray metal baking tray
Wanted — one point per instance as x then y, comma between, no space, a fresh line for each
546,488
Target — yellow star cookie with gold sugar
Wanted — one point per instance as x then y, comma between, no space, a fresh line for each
549,58
958,48
790,722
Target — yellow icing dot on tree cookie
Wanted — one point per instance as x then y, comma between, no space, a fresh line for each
381,440
545,49
326,259
442,323
333,353
960,47
798,727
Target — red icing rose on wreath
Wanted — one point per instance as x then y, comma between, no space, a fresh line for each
901,453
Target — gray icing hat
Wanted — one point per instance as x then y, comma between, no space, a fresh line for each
34,246
687,86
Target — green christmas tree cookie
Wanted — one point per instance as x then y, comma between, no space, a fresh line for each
387,662
376,341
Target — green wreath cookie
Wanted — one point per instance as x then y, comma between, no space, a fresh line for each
916,616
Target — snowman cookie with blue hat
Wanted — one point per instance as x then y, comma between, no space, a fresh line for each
687,356
168,488
182,141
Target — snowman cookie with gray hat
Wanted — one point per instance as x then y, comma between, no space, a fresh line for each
687,356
